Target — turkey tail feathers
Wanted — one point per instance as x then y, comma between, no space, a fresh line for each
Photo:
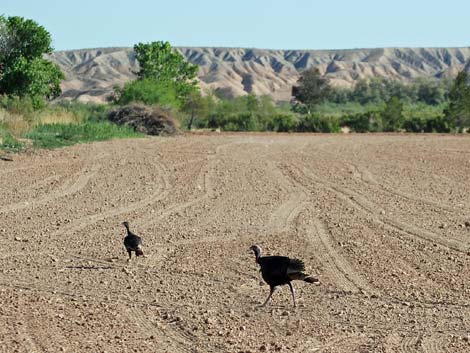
303,277
295,265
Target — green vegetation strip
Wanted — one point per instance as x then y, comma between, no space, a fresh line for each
58,135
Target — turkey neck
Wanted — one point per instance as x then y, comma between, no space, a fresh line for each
258,255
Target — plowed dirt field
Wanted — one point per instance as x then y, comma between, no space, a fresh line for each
382,220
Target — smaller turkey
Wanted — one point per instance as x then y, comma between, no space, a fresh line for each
132,242
279,270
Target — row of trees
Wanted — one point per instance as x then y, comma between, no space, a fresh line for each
377,90
167,79
314,89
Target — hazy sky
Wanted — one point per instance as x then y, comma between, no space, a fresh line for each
294,24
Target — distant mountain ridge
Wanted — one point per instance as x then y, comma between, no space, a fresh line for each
92,73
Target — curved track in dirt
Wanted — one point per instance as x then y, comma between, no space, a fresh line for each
379,218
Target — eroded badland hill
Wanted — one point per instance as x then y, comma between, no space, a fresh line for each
91,73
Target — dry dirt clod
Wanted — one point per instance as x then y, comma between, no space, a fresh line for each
6,158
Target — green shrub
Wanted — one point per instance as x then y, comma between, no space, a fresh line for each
358,122
318,123
148,91
363,122
244,121
282,122
431,124
415,124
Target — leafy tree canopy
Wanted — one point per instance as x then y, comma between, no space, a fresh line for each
458,111
159,62
393,114
312,89
23,70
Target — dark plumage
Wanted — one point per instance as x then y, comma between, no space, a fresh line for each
280,270
132,242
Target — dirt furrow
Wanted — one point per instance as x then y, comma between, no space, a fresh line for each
361,203
336,266
355,208
70,187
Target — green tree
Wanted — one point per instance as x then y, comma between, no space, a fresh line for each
198,108
23,70
159,62
312,88
458,111
430,92
392,115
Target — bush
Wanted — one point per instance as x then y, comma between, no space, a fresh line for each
357,122
432,124
363,122
317,123
149,92
243,121
282,122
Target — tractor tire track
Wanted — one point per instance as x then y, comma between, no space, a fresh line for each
364,205
161,193
336,267
361,173
366,176
174,341
281,219
431,344
69,188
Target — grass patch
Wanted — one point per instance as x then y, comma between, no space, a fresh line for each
56,125
14,123
58,116
8,142
66,134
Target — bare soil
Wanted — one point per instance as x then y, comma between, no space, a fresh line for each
383,220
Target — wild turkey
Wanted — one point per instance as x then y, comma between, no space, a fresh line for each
279,270
132,242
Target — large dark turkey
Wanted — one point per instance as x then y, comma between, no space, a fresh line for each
280,270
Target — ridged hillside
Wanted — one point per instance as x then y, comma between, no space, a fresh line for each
91,73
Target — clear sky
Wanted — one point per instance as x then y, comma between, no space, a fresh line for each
275,24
